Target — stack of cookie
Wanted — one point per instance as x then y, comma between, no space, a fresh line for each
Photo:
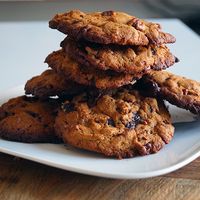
109,49
98,106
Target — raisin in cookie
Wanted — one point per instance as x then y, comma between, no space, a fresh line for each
109,27
26,119
63,64
178,90
122,124
126,59
49,83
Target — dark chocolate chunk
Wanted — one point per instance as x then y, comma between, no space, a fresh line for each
107,13
111,122
153,51
148,147
135,120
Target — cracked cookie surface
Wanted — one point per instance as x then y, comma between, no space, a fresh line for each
109,27
63,64
178,90
126,59
49,83
122,124
26,119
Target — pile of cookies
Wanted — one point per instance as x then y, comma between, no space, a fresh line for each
105,89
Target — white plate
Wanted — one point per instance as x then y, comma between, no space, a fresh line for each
184,148
27,60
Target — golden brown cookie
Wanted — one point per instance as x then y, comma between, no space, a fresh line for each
109,27
121,124
178,90
126,59
26,119
49,83
63,64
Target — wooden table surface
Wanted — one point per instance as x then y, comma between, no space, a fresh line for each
26,180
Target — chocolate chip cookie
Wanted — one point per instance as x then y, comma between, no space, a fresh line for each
50,83
126,59
63,64
26,119
109,27
178,90
121,124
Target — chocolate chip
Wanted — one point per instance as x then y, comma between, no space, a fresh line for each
148,147
111,122
185,91
133,22
135,120
68,107
107,13
136,23
130,124
150,109
153,51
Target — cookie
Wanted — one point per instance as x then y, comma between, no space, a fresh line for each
63,64
26,119
122,124
50,83
178,90
126,59
109,27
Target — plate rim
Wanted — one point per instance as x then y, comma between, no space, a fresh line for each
137,175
